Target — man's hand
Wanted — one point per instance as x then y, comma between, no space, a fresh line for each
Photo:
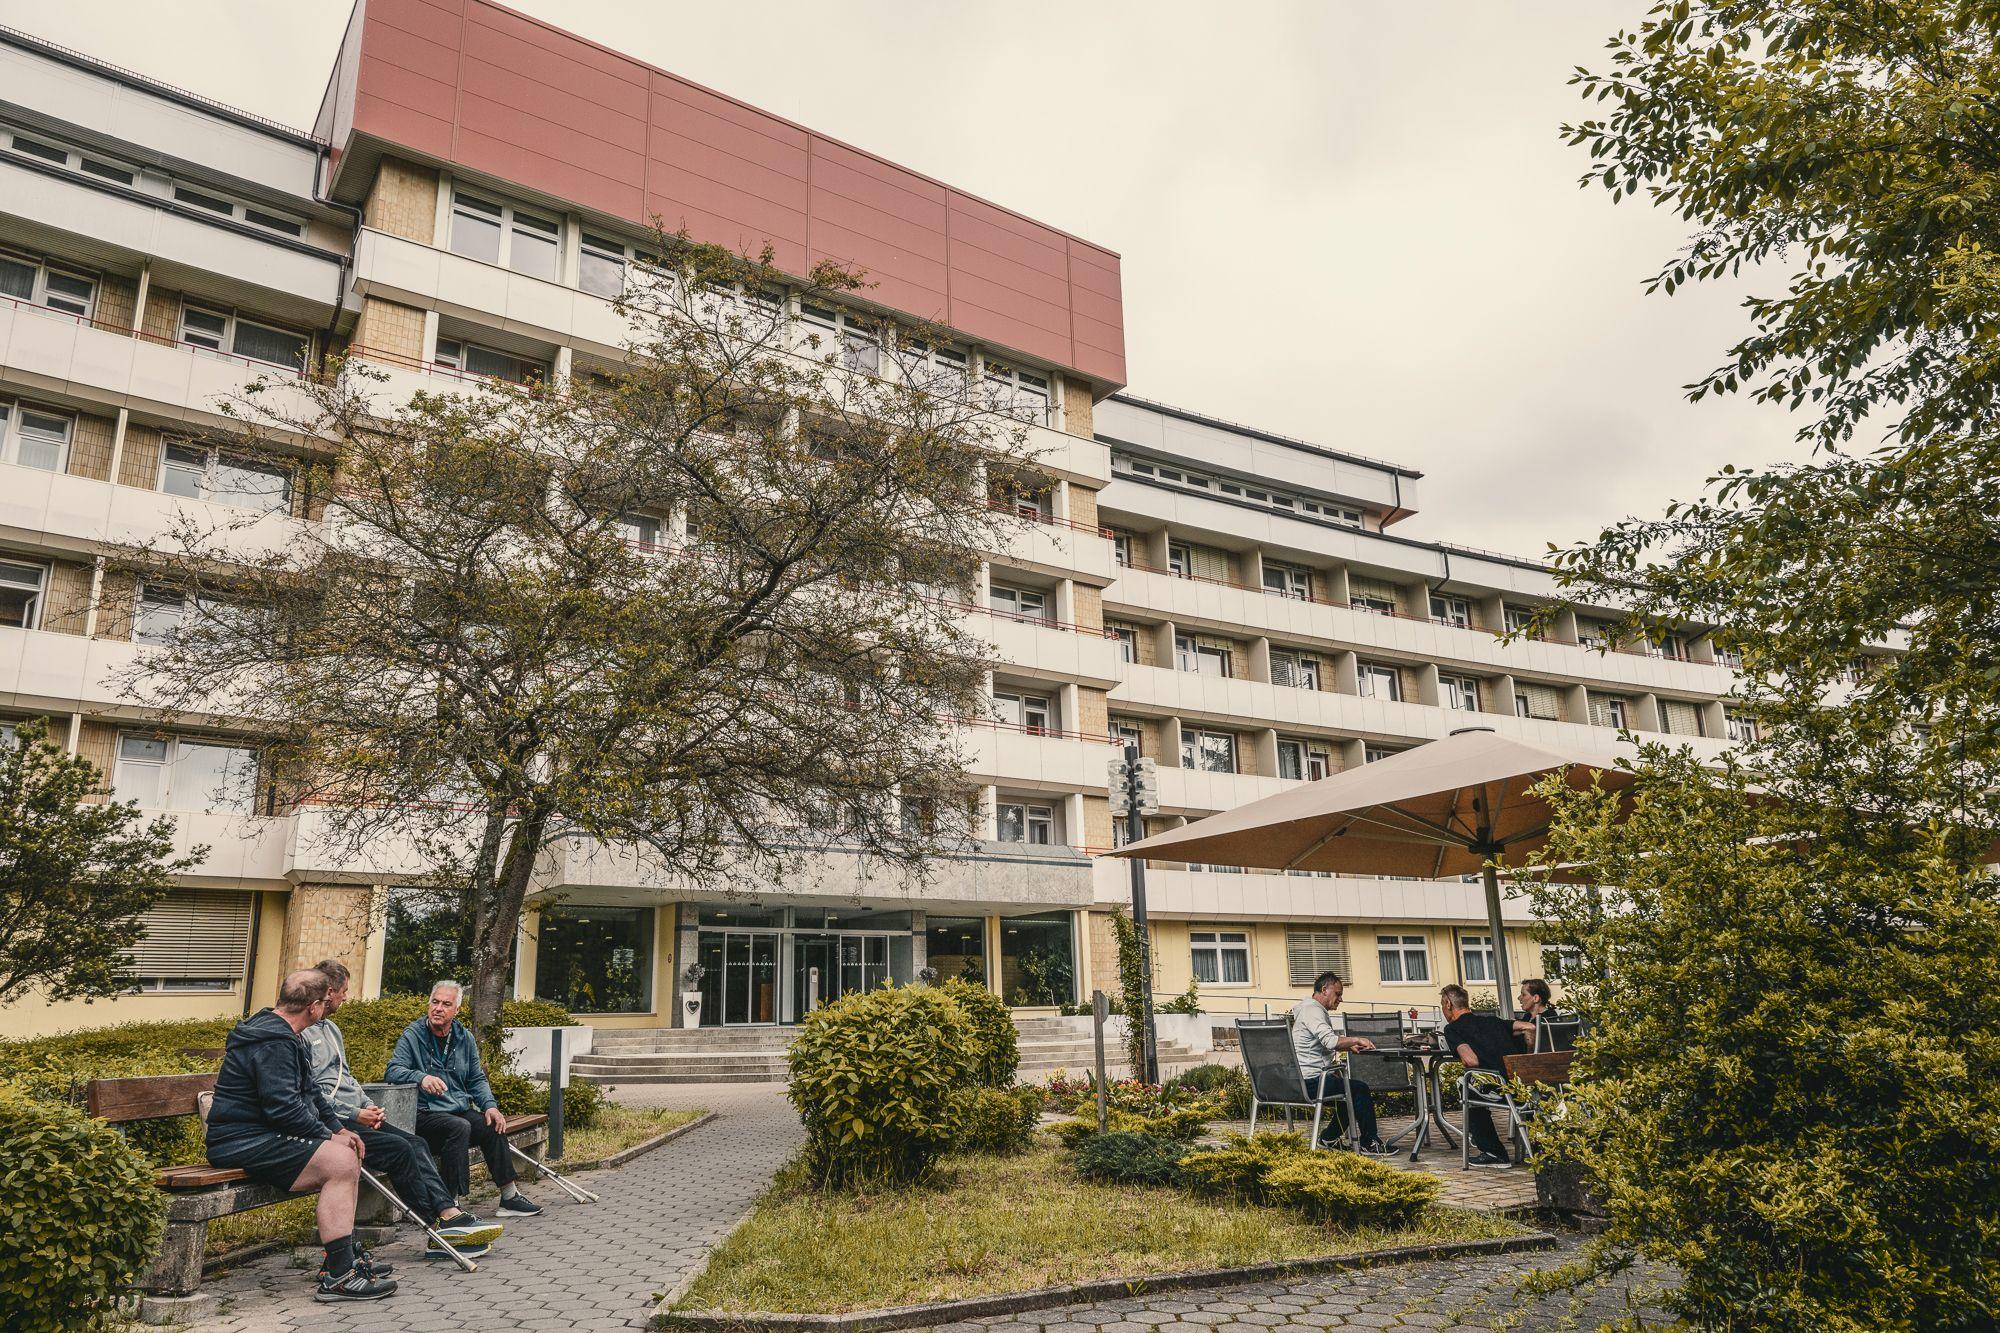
1356,1044
434,1085
496,1119
352,1140
371,1116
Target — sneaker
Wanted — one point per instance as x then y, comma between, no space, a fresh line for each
1491,1162
367,1264
470,1230
1377,1148
353,1285
519,1205
437,1251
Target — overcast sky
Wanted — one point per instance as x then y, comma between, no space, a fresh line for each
1348,222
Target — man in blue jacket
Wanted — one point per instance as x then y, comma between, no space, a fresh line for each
269,1120
455,1104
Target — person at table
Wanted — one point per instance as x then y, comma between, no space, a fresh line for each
1534,1003
455,1105
1481,1041
1320,1048
401,1156
269,1121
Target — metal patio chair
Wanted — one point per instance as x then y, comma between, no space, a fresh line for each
1557,1034
1276,1079
1486,1090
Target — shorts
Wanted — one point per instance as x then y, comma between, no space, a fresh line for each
267,1157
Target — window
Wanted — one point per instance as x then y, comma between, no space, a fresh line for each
172,773
1681,717
1562,962
1128,732
1026,604
1220,957
67,158
1295,670
194,940
1128,642
220,331
1743,729
34,438
1520,620
1204,659
202,472
159,615
934,369
1729,657
1670,646
1607,712
1377,681
1180,559
21,594
35,282
1475,957
846,338
1209,751
472,359
1593,634
1033,713
1542,702
640,531
1124,465
596,959
1301,761
1020,821
1019,393
1121,549
1311,950
1403,957
1287,581
36,148
600,268
1375,754
495,233
1460,692
1454,611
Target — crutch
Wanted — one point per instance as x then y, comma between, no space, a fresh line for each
411,1213
577,1192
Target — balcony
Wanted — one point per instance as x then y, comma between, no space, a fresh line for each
1050,649
1334,627
1042,760
62,672
94,513
1058,547
242,849
1222,896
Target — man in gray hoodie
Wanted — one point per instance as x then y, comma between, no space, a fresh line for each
398,1154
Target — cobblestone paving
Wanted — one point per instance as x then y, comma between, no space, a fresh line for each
594,1266
1455,1294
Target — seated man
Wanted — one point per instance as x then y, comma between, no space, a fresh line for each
269,1121
398,1155
455,1105
1316,1042
1534,1002
1482,1041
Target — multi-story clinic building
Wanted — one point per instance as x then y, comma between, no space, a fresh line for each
1238,602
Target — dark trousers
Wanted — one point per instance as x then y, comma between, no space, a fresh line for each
451,1135
406,1161
1364,1110
1485,1135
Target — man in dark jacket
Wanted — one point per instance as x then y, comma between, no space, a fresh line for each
1481,1041
455,1104
269,1120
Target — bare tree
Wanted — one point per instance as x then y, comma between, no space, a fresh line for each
701,606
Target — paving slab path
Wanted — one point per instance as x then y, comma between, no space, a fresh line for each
578,1266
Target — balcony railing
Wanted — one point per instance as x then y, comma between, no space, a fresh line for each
140,335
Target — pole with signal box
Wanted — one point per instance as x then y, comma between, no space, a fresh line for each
1135,793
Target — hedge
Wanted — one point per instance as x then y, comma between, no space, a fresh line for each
992,1026
1337,1188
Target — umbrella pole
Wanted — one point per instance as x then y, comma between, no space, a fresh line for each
1501,972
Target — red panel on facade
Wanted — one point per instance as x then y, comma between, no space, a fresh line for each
479,86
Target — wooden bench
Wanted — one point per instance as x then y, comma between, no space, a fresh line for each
196,1195
1546,1068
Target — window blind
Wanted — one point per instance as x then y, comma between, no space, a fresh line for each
1682,717
1544,701
1358,587
1311,951
1210,563
200,933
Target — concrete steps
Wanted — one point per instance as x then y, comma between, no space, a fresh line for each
757,1055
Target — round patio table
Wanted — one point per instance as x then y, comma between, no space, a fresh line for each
1430,1094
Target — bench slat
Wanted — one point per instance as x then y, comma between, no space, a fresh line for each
517,1123
1544,1067
120,1101
197,1177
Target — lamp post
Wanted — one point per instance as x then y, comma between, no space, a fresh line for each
1135,793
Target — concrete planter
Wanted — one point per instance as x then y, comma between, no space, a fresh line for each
1564,1187
530,1048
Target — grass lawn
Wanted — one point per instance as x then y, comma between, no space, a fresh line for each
994,1224
617,1129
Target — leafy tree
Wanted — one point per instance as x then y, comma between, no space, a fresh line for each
698,612
74,875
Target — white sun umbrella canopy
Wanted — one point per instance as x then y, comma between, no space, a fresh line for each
1456,806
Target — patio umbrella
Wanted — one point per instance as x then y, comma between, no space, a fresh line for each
1451,807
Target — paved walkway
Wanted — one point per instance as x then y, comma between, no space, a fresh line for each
595,1266
1481,1189
1457,1294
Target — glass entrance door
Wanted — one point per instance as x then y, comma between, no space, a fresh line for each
740,981
826,967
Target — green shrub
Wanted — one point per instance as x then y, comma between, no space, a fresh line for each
1187,1003
1182,1124
872,1076
1228,1083
992,1026
82,1214
1237,1166
1121,1158
1344,1190
996,1119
